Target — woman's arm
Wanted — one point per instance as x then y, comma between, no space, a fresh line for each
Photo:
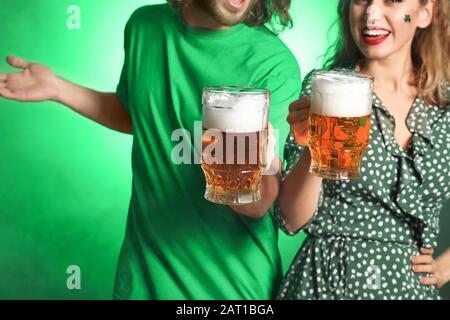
443,264
300,190
299,194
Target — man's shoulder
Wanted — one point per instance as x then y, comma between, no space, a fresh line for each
151,14
264,40
265,37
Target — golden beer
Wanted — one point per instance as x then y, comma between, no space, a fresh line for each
234,143
337,144
339,123
233,163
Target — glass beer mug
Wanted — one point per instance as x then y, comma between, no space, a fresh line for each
339,123
234,143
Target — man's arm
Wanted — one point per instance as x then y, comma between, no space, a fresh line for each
284,84
269,188
37,82
104,108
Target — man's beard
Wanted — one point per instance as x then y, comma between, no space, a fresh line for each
222,15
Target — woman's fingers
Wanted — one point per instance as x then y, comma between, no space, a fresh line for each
3,77
300,128
425,250
423,259
298,119
18,62
303,103
294,106
297,116
299,110
298,105
428,280
300,134
423,268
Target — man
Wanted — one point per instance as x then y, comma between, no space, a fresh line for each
177,244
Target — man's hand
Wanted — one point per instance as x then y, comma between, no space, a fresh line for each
270,183
36,82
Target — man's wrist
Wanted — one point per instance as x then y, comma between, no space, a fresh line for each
58,90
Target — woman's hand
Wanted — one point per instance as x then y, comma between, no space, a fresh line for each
425,263
299,119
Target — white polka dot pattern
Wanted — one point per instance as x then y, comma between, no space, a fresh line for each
378,221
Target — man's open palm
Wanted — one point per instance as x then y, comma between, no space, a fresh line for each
36,82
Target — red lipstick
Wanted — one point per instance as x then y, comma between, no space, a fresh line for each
374,35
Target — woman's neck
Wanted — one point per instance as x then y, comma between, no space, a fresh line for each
392,74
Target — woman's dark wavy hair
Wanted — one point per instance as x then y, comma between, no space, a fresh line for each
274,12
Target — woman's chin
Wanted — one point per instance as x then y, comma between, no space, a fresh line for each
376,56
376,53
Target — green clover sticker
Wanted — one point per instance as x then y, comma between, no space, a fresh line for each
362,122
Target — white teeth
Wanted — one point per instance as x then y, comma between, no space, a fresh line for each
375,33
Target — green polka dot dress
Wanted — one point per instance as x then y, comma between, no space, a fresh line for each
365,231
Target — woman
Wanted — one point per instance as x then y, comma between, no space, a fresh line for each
372,238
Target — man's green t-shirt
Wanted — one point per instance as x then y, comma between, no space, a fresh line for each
177,244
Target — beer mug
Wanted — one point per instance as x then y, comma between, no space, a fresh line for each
339,123
234,143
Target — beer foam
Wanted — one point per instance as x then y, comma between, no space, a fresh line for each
341,94
235,112
225,119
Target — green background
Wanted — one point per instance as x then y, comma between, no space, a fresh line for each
65,181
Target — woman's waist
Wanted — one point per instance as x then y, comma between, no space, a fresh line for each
364,240
381,229
367,266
